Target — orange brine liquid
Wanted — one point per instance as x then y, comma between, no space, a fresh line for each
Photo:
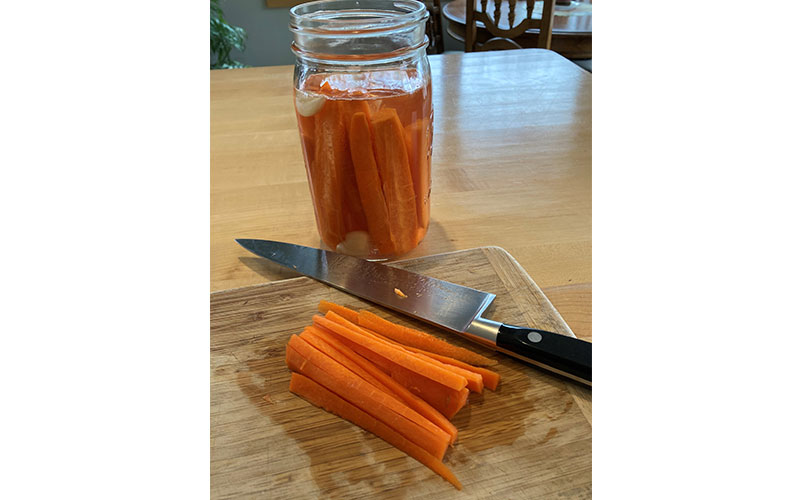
367,145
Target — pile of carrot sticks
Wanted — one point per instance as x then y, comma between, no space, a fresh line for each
401,384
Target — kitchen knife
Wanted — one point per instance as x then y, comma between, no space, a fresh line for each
453,307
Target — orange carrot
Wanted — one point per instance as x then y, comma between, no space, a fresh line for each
351,107
368,182
410,106
345,312
398,186
415,403
327,344
493,378
355,217
312,336
444,399
490,378
308,148
306,126
322,397
303,358
418,144
325,173
405,359
474,381
336,370
415,338
421,232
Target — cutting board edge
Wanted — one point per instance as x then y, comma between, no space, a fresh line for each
529,281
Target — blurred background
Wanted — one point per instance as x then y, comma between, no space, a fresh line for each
264,24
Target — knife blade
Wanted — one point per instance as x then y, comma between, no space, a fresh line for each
453,307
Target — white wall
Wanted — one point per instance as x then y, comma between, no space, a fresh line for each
268,36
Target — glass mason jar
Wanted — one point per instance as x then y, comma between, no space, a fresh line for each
362,90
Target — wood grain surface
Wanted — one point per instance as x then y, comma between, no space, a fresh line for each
529,439
511,167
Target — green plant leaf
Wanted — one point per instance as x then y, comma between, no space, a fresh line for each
225,38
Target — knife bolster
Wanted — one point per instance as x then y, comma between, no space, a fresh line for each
483,331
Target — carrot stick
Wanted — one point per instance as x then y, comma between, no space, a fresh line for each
418,145
306,126
312,336
326,89
308,148
398,186
345,312
415,338
421,232
328,344
303,358
322,397
414,402
405,359
352,107
333,366
373,402
474,381
325,173
355,217
368,182
443,399
490,378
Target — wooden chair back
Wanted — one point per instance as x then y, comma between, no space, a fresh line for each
434,27
505,21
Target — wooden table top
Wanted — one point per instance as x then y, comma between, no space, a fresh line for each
511,167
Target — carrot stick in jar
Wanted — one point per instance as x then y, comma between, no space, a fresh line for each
391,157
417,143
369,184
325,171
354,216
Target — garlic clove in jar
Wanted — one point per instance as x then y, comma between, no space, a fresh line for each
355,243
308,104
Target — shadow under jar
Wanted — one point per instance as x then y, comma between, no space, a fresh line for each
362,90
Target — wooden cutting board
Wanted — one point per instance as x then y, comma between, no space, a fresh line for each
529,439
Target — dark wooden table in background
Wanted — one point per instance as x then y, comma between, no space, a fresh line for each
572,26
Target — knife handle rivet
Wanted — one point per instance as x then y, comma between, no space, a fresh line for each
535,337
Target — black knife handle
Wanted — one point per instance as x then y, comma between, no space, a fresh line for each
567,356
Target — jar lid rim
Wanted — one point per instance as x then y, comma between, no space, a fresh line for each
355,16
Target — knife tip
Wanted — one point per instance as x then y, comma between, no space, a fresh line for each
245,243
